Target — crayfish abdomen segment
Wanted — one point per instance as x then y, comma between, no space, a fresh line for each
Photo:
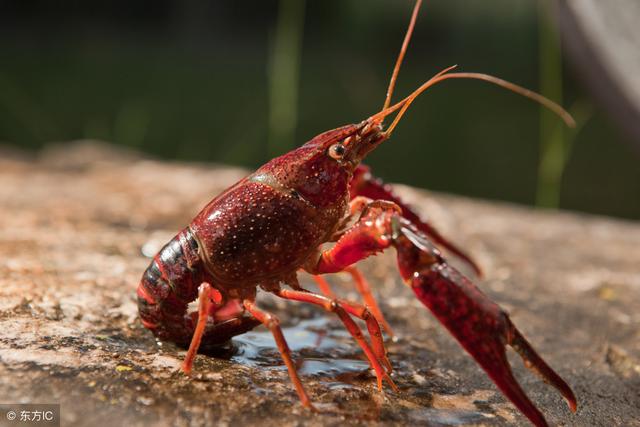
168,285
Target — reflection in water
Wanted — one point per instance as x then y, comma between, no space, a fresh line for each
446,417
328,353
322,351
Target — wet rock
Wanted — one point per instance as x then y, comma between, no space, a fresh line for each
78,226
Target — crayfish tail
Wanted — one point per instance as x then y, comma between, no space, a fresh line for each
167,286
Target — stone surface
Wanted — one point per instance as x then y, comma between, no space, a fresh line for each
78,223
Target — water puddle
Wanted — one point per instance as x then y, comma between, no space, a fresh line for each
446,417
318,350
321,349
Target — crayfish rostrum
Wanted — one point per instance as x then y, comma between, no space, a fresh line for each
264,229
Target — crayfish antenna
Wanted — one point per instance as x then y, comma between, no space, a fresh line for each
404,104
446,75
403,50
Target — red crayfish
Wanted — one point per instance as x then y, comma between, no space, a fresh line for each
261,231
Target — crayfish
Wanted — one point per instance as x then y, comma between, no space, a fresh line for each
262,231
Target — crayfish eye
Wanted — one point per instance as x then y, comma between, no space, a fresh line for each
336,151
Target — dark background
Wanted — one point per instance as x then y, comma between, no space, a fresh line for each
190,80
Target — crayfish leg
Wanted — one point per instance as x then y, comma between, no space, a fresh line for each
337,307
324,286
204,308
215,324
364,289
362,312
273,324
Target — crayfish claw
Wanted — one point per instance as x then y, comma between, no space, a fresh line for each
365,184
480,325
535,363
484,330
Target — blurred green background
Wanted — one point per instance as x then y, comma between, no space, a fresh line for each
239,82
